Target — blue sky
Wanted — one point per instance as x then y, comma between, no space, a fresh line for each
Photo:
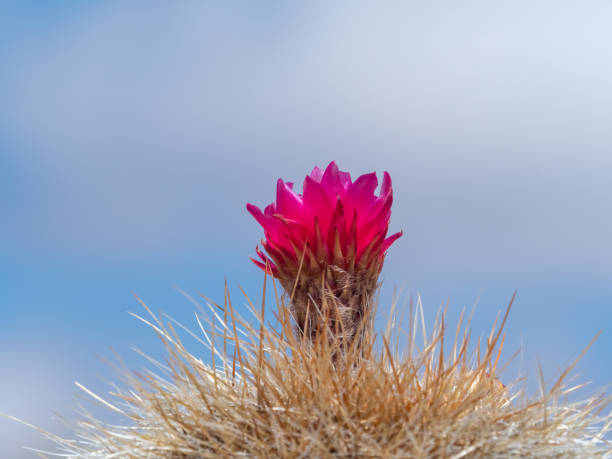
132,135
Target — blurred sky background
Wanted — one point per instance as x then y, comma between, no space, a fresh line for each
133,133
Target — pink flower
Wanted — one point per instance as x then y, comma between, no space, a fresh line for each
334,222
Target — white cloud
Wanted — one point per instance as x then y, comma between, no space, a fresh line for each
150,127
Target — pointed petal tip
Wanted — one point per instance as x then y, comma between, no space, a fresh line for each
331,172
316,174
390,240
385,188
396,235
331,166
254,210
369,181
265,262
260,253
269,269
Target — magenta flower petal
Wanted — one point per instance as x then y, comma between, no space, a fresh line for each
270,210
345,179
316,174
316,204
332,183
271,268
287,202
272,226
335,221
360,195
363,188
257,213
385,188
262,255
390,240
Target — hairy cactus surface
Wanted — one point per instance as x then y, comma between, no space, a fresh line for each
255,390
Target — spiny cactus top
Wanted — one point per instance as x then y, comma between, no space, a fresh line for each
328,243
